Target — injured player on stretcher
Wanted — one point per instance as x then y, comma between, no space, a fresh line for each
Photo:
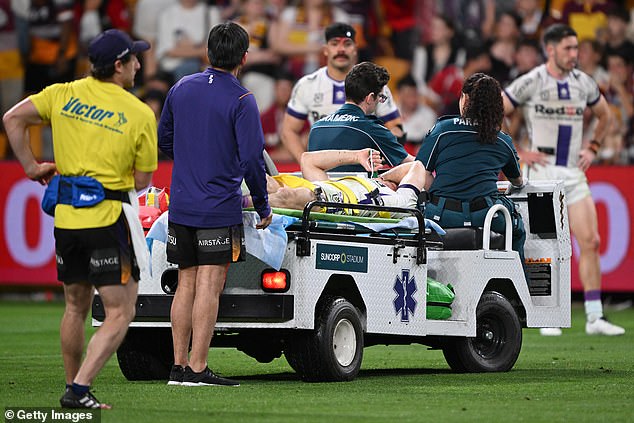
398,187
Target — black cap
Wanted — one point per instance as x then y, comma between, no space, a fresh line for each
112,45
339,29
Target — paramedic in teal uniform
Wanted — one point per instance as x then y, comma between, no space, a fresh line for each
354,126
467,153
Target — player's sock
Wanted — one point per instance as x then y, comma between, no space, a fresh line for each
592,304
80,390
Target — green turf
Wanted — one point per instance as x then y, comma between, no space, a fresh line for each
573,378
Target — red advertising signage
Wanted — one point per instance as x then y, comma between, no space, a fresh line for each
27,255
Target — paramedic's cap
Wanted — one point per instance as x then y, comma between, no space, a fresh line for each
112,45
341,30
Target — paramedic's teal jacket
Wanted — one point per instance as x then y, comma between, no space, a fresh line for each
351,129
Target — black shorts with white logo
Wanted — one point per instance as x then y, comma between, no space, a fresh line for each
100,256
188,246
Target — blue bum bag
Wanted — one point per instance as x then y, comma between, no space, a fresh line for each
77,191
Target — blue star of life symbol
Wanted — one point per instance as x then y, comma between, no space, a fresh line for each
405,287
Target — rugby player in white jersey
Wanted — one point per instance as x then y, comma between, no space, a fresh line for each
553,97
322,92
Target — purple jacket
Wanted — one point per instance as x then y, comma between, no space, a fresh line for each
210,126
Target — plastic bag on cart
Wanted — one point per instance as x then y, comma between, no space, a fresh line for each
268,245
439,299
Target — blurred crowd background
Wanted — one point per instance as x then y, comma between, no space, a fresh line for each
429,47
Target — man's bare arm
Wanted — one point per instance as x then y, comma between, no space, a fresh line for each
142,179
16,121
315,164
529,157
602,112
291,136
397,173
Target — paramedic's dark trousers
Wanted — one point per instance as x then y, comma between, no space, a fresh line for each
456,219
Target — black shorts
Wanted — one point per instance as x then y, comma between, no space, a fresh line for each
100,256
188,246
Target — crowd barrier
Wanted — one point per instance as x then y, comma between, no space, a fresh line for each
28,254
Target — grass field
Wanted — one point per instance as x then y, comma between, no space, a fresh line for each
573,378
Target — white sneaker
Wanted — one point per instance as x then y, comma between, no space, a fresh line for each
602,327
550,332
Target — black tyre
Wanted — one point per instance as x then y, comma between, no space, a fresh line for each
334,350
498,339
146,354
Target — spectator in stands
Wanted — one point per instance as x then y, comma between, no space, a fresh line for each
223,10
532,16
52,44
446,86
589,61
180,47
274,8
417,117
20,9
474,19
440,53
618,20
258,75
397,25
503,45
620,97
527,57
299,31
145,26
272,119
96,16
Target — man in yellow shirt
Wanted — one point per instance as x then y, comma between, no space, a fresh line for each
104,135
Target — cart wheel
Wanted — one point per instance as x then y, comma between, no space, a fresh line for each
498,339
146,354
334,350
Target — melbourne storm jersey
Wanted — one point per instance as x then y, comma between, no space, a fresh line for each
317,95
553,110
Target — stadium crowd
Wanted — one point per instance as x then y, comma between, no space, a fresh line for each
428,46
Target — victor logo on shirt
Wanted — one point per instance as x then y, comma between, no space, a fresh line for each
76,108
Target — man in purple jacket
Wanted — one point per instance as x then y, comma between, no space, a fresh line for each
210,127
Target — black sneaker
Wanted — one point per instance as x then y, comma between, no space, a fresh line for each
176,375
88,400
205,378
